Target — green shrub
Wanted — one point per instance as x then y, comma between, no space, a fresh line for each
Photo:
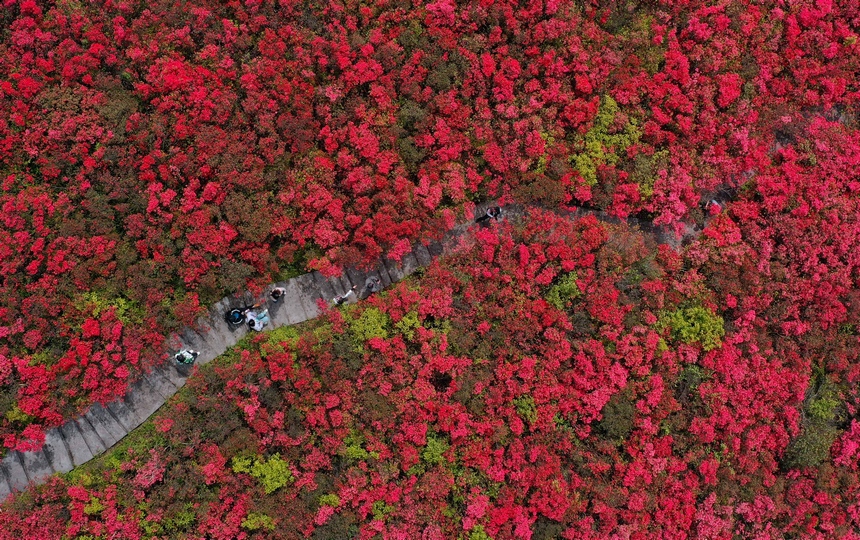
93,507
408,324
381,510
410,113
278,336
645,171
823,406
372,323
478,533
127,311
561,294
353,450
273,473
694,324
812,447
339,526
618,415
820,427
526,408
601,147
330,499
17,415
689,380
434,450
182,520
255,522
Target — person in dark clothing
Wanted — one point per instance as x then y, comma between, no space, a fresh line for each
235,317
372,285
493,212
277,293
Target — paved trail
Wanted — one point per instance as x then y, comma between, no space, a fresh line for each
101,427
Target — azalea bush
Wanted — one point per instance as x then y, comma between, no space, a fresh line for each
465,405
155,157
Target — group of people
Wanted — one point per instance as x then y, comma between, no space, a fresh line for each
257,320
371,285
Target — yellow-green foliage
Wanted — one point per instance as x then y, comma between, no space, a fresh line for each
819,430
255,522
408,324
381,510
823,406
277,337
137,443
127,311
330,499
17,415
599,147
370,324
478,533
273,473
561,294
694,324
353,450
526,408
93,507
169,527
549,140
646,169
283,334
436,447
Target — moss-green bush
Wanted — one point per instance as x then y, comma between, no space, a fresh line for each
370,324
694,325
562,293
599,147
526,408
618,415
812,447
408,324
273,473
353,449
330,499
823,406
254,522
381,510
434,450
822,416
478,533
127,311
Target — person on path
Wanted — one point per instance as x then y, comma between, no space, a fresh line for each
277,293
493,212
257,321
235,317
713,207
344,298
186,356
372,285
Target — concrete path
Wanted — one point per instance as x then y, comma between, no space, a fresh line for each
101,427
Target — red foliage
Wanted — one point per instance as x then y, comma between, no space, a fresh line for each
155,158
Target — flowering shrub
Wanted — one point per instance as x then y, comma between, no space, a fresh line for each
547,422
155,157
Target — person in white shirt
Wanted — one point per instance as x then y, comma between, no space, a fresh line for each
186,356
344,298
257,321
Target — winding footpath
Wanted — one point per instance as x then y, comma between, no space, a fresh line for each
101,427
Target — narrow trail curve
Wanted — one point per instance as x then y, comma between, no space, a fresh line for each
101,427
